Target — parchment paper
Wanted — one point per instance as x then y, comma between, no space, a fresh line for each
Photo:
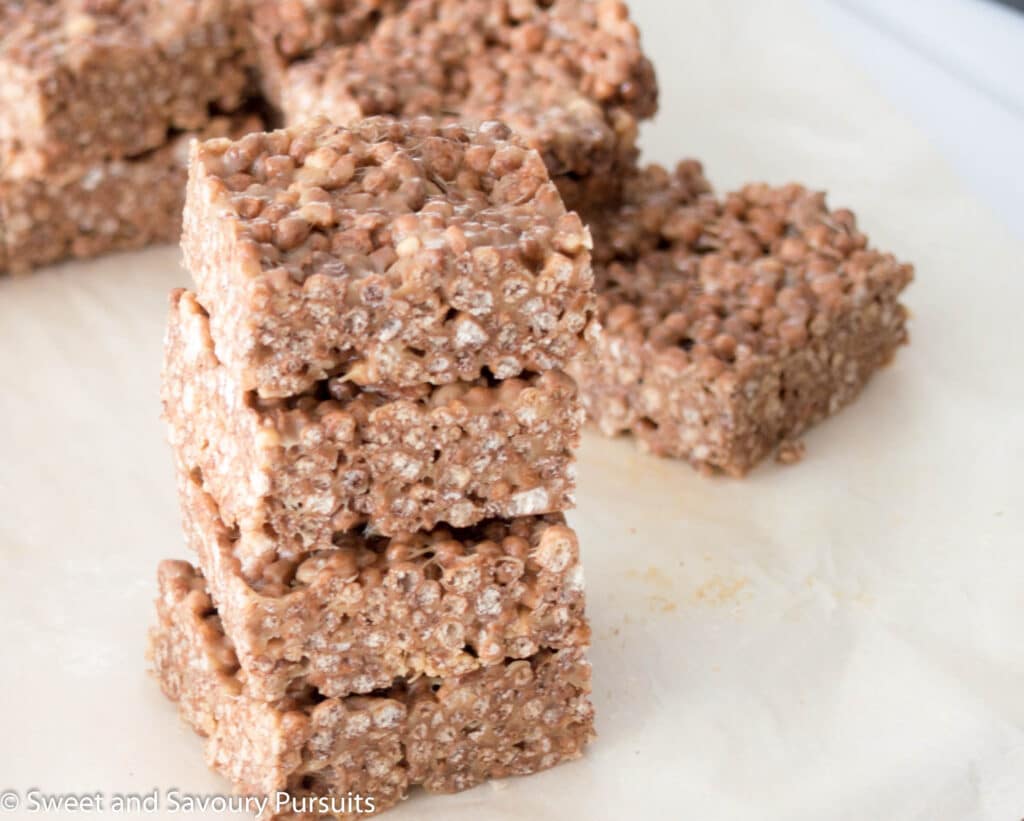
837,640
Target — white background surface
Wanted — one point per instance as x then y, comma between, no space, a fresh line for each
957,68
837,640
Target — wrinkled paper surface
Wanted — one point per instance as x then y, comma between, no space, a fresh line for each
837,640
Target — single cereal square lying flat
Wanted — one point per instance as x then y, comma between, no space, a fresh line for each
446,734
389,254
733,324
352,618
312,466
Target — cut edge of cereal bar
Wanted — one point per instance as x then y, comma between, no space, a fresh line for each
103,206
445,734
312,466
152,69
353,618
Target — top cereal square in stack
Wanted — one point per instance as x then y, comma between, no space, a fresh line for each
390,253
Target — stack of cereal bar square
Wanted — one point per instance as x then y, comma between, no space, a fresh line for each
374,437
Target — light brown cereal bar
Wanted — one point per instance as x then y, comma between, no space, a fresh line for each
297,28
589,45
103,206
311,466
733,324
391,254
354,617
83,81
568,76
446,734
587,150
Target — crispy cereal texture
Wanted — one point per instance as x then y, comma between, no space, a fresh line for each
733,324
390,254
322,463
84,81
568,76
297,28
355,617
104,206
446,734
90,87
95,93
